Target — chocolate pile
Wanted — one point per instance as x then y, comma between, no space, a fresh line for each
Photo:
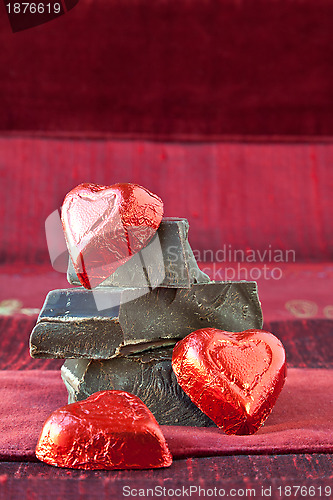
121,334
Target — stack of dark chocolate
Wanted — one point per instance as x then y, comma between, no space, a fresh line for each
121,334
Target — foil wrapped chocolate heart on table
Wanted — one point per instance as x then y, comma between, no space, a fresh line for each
234,378
110,430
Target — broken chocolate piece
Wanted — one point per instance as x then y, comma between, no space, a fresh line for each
167,261
71,325
105,225
148,375
235,378
109,430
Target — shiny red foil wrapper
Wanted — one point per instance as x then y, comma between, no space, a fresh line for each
234,378
109,430
105,225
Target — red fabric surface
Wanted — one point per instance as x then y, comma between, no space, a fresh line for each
249,196
301,421
172,69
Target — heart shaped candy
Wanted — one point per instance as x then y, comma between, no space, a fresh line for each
109,430
105,225
234,378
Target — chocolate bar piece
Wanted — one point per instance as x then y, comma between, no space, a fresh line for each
101,323
147,375
167,261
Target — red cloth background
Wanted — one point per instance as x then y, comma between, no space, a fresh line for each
172,69
291,428
249,196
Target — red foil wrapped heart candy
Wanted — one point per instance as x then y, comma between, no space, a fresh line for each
105,225
234,378
109,430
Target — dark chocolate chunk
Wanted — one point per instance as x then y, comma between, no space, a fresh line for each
148,375
167,261
98,324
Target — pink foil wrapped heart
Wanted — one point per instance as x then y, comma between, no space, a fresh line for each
105,225
235,378
109,430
